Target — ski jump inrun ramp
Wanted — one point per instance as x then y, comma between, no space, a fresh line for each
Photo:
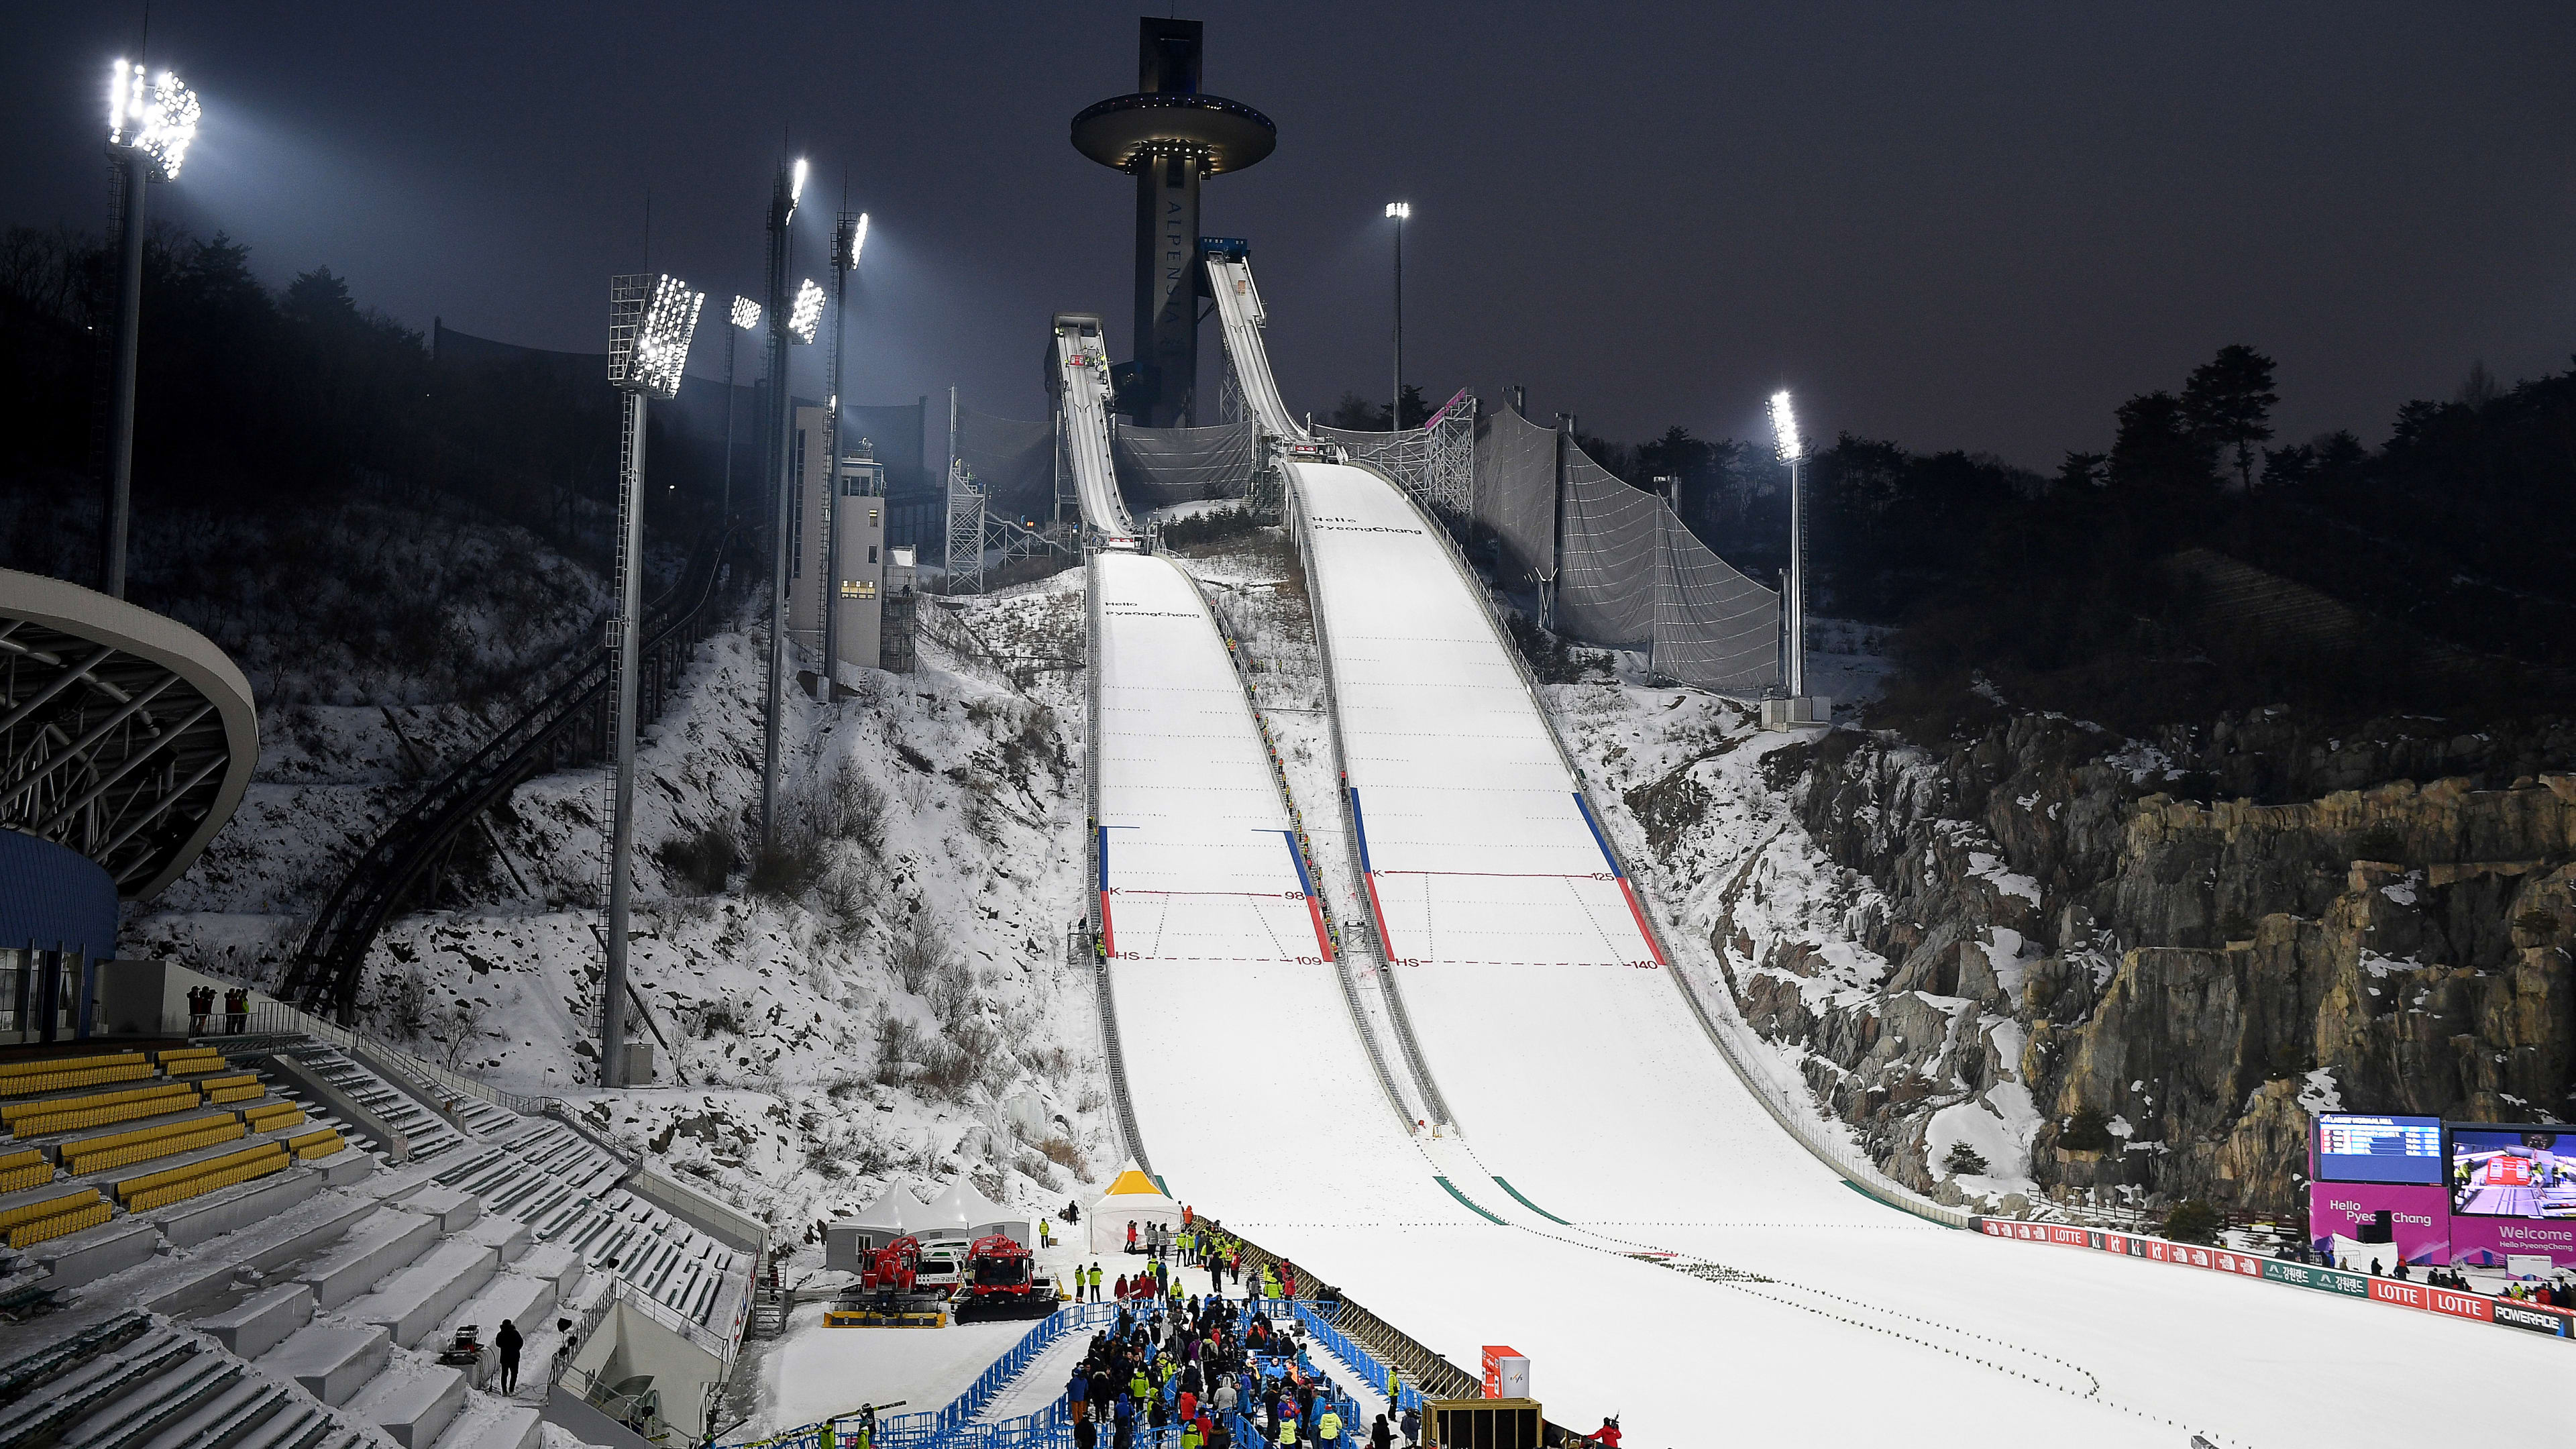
1605,1194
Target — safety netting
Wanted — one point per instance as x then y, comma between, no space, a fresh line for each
1013,461
1158,467
1633,576
1610,574
1515,495
1713,626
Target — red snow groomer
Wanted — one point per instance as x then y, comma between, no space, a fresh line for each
888,1292
1001,1282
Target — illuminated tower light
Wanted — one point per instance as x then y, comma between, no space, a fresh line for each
806,317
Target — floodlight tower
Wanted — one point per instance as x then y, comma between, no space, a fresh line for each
849,237
1169,137
148,131
1798,708
1400,212
775,461
746,316
649,327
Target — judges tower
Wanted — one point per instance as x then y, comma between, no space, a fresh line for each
1170,137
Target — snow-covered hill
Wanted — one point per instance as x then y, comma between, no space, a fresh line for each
887,997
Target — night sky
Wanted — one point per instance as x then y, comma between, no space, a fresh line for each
1953,226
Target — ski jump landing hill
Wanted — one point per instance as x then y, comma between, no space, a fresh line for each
1596,1186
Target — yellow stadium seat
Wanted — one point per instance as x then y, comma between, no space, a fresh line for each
28,1212
27,1235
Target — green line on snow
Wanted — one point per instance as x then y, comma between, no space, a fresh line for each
1533,1207
1470,1202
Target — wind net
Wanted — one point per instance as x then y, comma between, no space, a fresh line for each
1012,460
1713,626
1162,466
1515,495
1612,567
1633,576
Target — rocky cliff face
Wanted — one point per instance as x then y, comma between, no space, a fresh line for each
2097,984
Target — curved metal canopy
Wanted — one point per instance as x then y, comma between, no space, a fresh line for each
124,734
1229,135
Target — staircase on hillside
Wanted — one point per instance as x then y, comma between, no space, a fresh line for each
571,724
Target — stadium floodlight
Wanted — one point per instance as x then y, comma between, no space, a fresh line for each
1784,428
149,127
156,121
806,317
648,341
1793,611
848,240
796,187
1399,212
746,313
650,323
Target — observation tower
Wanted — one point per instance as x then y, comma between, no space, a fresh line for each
1169,137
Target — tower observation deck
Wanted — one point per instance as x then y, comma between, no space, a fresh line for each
1170,137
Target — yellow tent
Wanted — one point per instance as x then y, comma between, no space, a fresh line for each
1131,1197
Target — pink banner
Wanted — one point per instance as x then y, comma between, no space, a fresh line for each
2380,1220
2485,1242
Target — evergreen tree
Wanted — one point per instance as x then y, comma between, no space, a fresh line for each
2227,402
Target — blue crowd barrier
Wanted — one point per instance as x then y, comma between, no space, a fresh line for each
954,1426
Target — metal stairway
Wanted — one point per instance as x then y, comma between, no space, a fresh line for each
568,726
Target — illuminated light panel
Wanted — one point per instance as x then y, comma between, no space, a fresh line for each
1399,209
158,119
662,339
849,240
746,313
807,314
1784,427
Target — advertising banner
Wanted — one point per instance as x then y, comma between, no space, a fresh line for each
2244,1265
2460,1305
2404,1295
2487,1242
2353,1222
2509,1314
2324,1280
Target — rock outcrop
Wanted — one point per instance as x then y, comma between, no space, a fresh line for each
2173,982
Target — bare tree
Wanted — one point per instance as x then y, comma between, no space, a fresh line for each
461,1023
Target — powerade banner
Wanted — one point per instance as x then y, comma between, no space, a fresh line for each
2505,1313
2352,1223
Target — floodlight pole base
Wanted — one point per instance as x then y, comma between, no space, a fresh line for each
1797,712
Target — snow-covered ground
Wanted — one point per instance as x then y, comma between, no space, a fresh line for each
1711,1277
889,1000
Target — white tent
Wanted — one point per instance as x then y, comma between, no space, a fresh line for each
848,1241
963,1212
894,1214
1132,1198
